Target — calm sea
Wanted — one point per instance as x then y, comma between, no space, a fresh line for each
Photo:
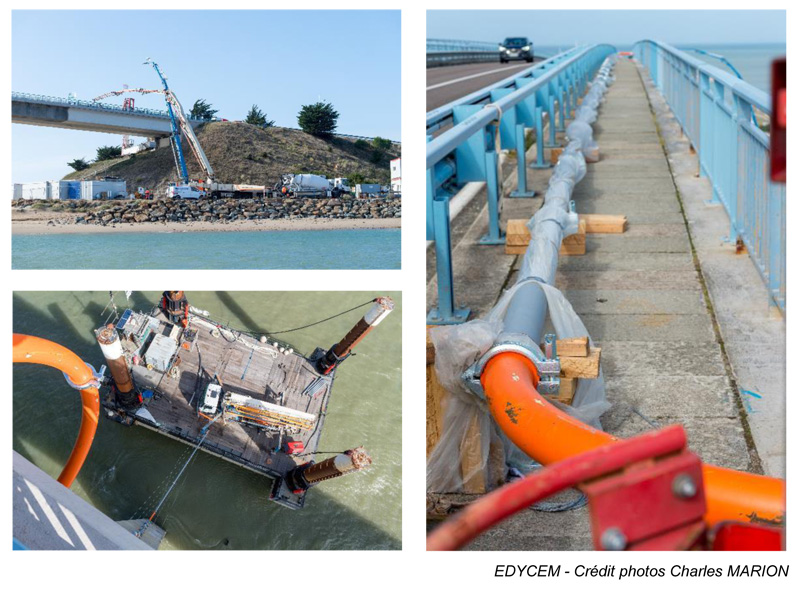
216,505
330,249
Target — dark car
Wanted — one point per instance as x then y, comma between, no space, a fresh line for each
516,48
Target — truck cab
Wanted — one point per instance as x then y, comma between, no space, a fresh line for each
210,401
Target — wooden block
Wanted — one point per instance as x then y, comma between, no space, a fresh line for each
555,154
430,351
518,236
566,392
573,347
605,224
435,400
587,367
517,233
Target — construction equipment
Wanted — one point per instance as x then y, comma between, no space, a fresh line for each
261,414
180,125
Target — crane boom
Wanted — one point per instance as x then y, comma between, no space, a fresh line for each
180,123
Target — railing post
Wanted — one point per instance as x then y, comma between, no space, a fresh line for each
522,175
562,111
495,235
551,113
540,162
430,194
446,311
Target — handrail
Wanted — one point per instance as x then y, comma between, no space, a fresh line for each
447,45
715,110
38,351
445,143
98,106
484,123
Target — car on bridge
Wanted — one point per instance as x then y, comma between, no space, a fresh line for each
516,48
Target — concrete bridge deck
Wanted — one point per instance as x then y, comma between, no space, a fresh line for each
643,298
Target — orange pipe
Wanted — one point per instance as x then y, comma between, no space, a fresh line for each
38,351
549,435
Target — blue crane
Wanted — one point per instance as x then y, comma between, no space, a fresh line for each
175,139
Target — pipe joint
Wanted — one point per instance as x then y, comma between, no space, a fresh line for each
96,380
548,365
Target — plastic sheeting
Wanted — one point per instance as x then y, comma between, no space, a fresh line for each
467,420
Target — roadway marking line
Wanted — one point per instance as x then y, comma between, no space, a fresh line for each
48,512
457,80
76,526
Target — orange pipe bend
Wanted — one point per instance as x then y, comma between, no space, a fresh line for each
38,351
549,435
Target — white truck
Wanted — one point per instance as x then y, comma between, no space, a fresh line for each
311,185
211,399
214,190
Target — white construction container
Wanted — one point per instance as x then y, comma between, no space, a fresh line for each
103,189
36,191
396,175
17,193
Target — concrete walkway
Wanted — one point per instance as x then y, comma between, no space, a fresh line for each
642,298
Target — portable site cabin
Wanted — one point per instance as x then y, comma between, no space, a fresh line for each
65,189
17,192
36,191
103,189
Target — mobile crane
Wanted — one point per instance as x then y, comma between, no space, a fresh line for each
179,123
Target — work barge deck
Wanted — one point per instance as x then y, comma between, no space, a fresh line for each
171,361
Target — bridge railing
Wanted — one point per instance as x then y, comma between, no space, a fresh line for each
715,110
443,52
88,104
483,123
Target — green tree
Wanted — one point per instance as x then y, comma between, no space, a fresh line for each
202,110
78,164
361,144
356,178
381,143
108,152
318,119
258,118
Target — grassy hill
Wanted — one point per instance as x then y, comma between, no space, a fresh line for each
242,153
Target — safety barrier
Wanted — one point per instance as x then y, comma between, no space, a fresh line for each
446,52
716,111
483,123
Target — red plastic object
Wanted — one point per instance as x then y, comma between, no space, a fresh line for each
294,447
736,536
777,135
658,515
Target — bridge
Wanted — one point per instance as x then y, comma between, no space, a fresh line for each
68,113
684,303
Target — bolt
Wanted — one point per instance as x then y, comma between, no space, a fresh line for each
683,486
613,539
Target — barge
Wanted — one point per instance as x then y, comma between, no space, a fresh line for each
243,397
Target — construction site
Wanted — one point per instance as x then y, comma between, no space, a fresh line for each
246,398
604,370
257,161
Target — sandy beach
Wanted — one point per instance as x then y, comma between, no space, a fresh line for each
36,223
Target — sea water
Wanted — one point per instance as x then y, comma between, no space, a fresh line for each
305,249
215,504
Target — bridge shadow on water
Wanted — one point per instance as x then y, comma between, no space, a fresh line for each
215,505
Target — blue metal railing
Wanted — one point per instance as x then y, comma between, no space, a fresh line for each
485,122
453,51
88,104
715,110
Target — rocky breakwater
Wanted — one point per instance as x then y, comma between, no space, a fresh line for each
225,210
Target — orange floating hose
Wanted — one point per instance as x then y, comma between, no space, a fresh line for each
38,351
548,435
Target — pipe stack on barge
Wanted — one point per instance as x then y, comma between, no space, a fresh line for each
253,401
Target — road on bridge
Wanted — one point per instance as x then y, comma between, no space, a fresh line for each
446,84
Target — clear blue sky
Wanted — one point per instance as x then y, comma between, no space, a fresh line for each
278,60
619,27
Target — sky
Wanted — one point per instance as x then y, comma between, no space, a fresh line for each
619,27
279,60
